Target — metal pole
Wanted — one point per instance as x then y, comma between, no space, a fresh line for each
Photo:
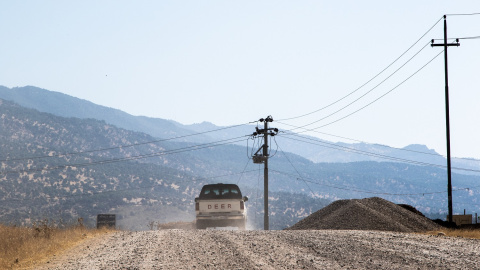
265,176
447,112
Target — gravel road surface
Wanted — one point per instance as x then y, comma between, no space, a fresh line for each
309,249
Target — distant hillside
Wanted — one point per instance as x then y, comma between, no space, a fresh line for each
50,169
311,148
67,106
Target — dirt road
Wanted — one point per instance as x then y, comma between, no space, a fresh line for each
324,249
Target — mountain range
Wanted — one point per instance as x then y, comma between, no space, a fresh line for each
312,148
151,169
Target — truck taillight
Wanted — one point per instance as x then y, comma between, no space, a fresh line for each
241,205
197,207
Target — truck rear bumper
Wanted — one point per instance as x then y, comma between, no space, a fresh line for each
220,217
240,223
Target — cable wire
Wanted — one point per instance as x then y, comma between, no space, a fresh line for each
475,37
366,93
376,144
299,175
462,14
276,149
370,103
128,145
350,150
161,153
381,156
311,180
442,39
374,77
248,161
126,189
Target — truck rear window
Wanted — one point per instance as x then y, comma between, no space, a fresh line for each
220,192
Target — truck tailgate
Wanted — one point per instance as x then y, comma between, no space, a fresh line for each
219,205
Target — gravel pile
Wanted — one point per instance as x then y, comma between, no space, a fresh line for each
365,214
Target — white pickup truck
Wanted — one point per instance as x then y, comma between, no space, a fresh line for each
221,205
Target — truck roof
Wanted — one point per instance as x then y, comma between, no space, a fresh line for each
220,191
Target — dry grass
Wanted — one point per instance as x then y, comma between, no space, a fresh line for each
465,233
25,247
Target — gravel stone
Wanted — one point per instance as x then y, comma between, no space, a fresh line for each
292,249
356,234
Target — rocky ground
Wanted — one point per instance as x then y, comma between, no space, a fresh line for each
294,249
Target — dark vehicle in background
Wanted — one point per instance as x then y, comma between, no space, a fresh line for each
220,205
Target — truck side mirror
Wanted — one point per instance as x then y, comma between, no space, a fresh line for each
196,199
245,198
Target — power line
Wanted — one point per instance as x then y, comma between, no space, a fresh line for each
313,181
475,37
374,77
382,145
161,153
304,179
359,141
349,149
127,189
462,14
128,145
442,39
375,100
369,91
246,164
244,171
313,193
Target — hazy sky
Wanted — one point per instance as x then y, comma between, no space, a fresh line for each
231,62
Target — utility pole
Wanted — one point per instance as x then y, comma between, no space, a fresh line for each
445,45
263,158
